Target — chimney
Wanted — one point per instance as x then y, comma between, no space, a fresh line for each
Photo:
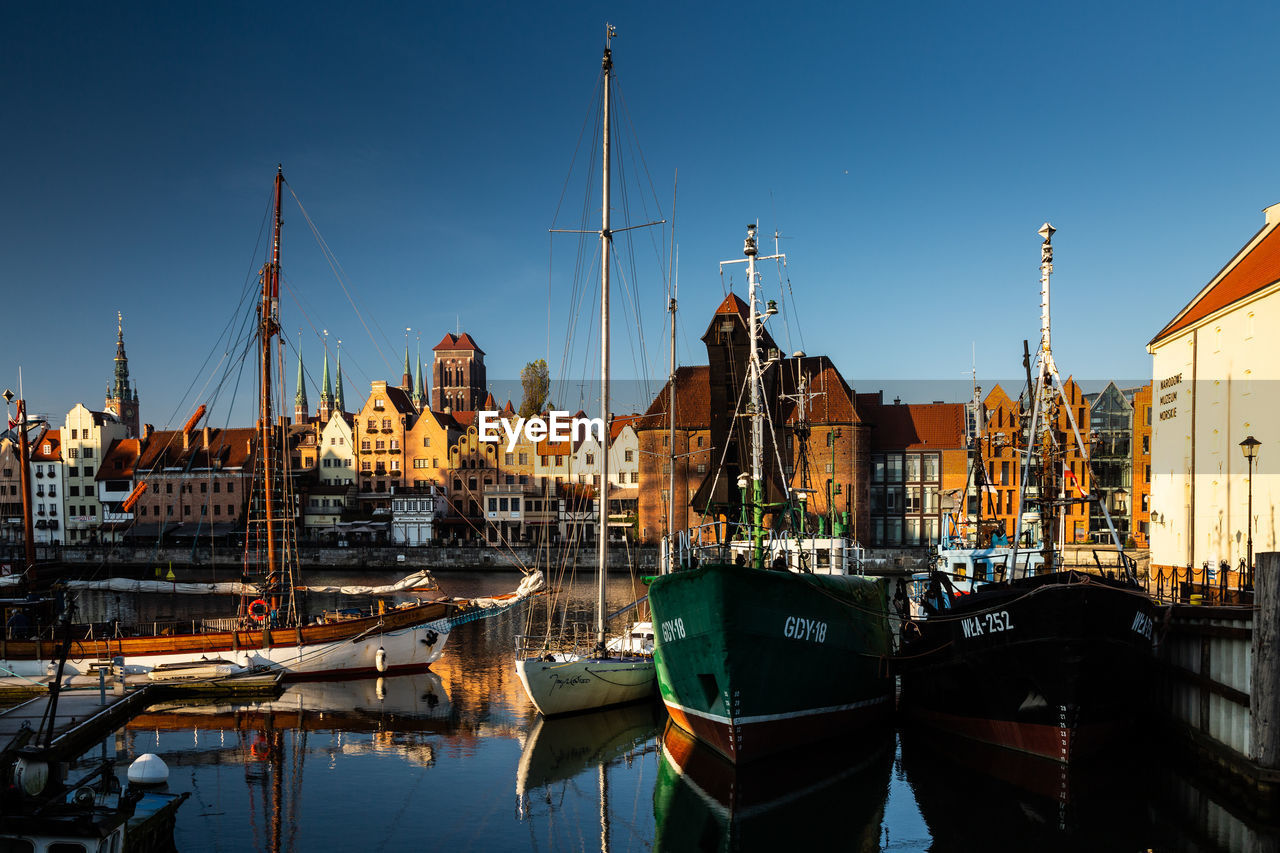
205,436
186,440
897,401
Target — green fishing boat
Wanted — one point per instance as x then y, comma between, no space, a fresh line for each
769,639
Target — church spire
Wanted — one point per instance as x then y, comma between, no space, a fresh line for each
326,387
417,379
338,404
300,408
406,381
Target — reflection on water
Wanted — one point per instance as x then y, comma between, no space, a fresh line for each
434,759
836,792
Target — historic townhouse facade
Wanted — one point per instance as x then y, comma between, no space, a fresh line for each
1002,438
380,430
48,491
10,491
85,436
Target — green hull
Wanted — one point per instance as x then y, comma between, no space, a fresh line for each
754,662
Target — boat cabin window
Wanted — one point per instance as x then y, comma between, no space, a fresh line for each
980,570
824,558
960,568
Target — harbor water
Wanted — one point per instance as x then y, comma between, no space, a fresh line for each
458,759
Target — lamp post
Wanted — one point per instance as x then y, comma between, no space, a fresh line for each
1250,449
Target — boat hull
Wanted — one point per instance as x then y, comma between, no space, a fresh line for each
755,662
411,639
1055,665
570,684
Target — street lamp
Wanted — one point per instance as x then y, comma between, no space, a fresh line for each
1250,449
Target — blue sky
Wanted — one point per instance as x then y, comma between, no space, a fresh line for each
907,153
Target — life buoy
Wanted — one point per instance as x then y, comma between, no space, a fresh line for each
259,615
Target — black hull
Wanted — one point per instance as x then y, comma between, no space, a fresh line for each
1055,665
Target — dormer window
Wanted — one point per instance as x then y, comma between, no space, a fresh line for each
377,404
47,448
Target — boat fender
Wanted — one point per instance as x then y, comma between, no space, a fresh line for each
380,688
258,609
148,769
380,659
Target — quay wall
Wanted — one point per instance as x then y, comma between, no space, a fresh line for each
1217,689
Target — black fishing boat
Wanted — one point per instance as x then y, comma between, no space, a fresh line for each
1020,652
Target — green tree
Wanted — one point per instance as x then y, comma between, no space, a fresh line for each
536,381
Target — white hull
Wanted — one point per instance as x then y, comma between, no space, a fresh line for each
405,649
571,683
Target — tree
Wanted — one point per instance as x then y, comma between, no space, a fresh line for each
536,381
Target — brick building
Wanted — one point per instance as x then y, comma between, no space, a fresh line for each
457,374
198,482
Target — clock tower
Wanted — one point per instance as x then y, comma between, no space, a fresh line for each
122,401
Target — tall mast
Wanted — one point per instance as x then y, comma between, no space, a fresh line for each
1050,464
606,237
671,440
268,328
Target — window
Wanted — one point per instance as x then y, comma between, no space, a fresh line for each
372,424
73,491
386,423
913,467
395,444
217,509
53,491
217,487
930,461
1146,444
515,504
591,459
493,504
628,456
378,403
380,445
168,511
502,504
877,469
88,472
635,476
74,434
364,446
1004,474
88,453
893,466
231,487
426,441
366,465
700,441
204,488
524,458
72,452
509,458
831,467
186,510
702,469
913,501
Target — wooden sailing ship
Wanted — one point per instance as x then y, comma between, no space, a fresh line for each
267,629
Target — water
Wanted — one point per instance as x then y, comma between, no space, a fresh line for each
457,759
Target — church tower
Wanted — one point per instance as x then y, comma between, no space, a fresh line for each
122,400
458,374
301,409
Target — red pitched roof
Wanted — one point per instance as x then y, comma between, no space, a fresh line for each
1251,269
463,419
119,460
452,342
52,437
490,404
917,426
619,423
508,409
733,304
693,401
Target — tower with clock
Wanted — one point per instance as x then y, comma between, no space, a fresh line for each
122,400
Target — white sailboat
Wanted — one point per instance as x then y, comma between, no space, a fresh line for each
562,681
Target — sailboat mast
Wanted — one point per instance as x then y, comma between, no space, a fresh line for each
24,469
606,237
268,327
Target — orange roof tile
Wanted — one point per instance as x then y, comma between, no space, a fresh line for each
119,460
917,426
693,401
447,342
1259,267
52,437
